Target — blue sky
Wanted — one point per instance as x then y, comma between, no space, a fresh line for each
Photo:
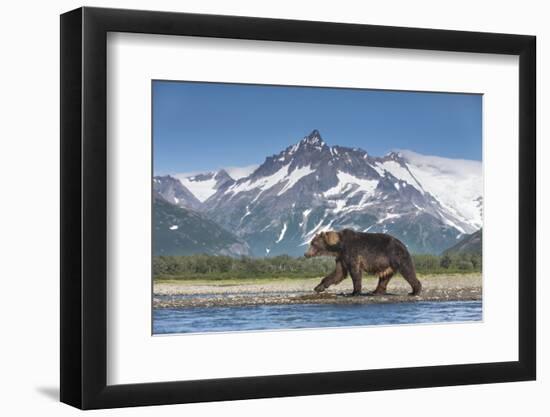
206,126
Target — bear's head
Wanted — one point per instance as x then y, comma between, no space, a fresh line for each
324,244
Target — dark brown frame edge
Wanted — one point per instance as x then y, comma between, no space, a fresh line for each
83,207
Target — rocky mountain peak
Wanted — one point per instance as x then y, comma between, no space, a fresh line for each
219,177
310,149
222,175
313,141
314,138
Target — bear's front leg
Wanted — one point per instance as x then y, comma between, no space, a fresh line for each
321,286
357,277
333,278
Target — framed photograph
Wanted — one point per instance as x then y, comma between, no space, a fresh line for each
258,208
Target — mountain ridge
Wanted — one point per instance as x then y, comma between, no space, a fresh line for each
469,244
310,187
183,231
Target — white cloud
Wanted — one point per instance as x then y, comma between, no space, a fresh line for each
234,172
456,183
241,172
180,175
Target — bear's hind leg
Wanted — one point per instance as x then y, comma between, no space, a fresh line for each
382,284
408,272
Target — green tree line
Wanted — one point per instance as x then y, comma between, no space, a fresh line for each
444,264
222,267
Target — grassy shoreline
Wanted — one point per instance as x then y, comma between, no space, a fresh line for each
282,276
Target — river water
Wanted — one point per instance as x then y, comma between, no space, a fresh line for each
301,316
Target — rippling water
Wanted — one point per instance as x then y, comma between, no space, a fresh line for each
300,316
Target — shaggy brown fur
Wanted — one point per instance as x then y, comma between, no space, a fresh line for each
355,252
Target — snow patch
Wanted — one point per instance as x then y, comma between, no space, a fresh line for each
340,205
388,217
202,190
346,181
370,227
282,235
449,222
246,214
378,169
304,217
263,183
310,234
326,227
294,177
360,206
401,173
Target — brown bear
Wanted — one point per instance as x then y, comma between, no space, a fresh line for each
376,253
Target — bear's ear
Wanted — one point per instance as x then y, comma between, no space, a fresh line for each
332,238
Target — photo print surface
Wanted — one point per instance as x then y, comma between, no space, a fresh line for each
284,207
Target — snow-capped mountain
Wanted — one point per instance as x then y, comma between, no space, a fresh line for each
173,191
203,186
455,183
427,202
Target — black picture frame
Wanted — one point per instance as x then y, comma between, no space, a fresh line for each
84,207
